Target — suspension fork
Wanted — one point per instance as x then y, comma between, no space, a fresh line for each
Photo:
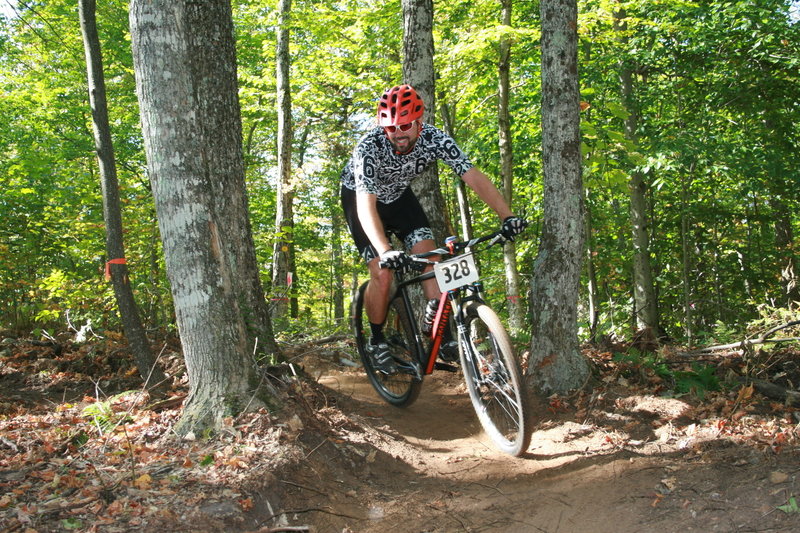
458,301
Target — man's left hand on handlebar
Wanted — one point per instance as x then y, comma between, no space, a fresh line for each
513,226
396,260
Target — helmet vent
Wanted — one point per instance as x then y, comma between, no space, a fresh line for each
400,105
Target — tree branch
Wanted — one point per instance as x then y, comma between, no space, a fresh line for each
763,339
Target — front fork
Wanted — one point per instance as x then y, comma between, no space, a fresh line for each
470,293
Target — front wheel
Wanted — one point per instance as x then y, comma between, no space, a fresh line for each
494,379
402,388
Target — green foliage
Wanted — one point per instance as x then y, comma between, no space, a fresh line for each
720,333
769,317
51,223
101,414
80,439
648,361
698,381
706,83
713,91
71,523
790,507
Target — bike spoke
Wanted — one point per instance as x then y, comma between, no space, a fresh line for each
494,380
402,387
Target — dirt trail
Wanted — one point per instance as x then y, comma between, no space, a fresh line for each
628,464
619,458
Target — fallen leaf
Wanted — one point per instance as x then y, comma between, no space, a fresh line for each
657,500
778,477
143,482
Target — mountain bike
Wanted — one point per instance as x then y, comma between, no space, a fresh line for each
488,364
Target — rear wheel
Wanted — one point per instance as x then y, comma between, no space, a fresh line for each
494,379
402,388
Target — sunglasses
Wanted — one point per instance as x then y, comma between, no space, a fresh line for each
401,127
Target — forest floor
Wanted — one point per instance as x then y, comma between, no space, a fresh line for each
81,449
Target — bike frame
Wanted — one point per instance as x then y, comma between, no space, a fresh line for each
450,304
491,371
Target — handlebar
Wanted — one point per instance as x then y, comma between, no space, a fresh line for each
459,246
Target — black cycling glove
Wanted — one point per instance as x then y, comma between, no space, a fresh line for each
513,226
396,260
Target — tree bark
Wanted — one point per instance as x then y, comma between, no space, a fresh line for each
185,63
784,242
465,216
513,296
282,274
592,291
418,71
151,373
644,293
556,363
686,263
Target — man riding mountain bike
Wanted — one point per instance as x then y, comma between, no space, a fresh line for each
378,201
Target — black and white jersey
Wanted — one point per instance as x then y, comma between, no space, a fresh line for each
376,168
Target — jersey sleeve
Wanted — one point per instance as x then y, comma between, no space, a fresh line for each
451,154
364,168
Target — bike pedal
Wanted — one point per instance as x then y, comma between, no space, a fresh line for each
438,365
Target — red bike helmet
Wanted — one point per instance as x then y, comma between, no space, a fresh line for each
399,105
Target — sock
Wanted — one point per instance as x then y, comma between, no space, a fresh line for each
377,333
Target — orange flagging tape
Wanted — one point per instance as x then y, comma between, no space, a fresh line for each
120,261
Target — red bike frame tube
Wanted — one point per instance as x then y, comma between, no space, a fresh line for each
438,321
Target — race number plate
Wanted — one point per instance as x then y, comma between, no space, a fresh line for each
456,272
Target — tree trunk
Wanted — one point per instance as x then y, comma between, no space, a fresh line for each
514,298
686,256
224,135
593,296
337,265
784,242
644,293
418,71
339,286
185,64
152,374
282,275
556,363
465,216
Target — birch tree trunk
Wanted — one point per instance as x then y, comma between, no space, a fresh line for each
514,299
151,374
556,363
282,275
185,64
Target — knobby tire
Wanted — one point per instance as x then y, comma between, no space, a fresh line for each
494,380
400,389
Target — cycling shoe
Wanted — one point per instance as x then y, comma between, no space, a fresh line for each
381,357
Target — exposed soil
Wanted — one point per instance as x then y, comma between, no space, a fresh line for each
621,458
625,463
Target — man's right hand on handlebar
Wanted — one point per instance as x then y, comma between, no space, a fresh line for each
513,226
396,260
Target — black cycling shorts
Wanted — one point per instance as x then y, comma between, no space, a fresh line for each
403,218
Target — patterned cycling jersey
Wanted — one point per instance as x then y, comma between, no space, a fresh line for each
376,168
